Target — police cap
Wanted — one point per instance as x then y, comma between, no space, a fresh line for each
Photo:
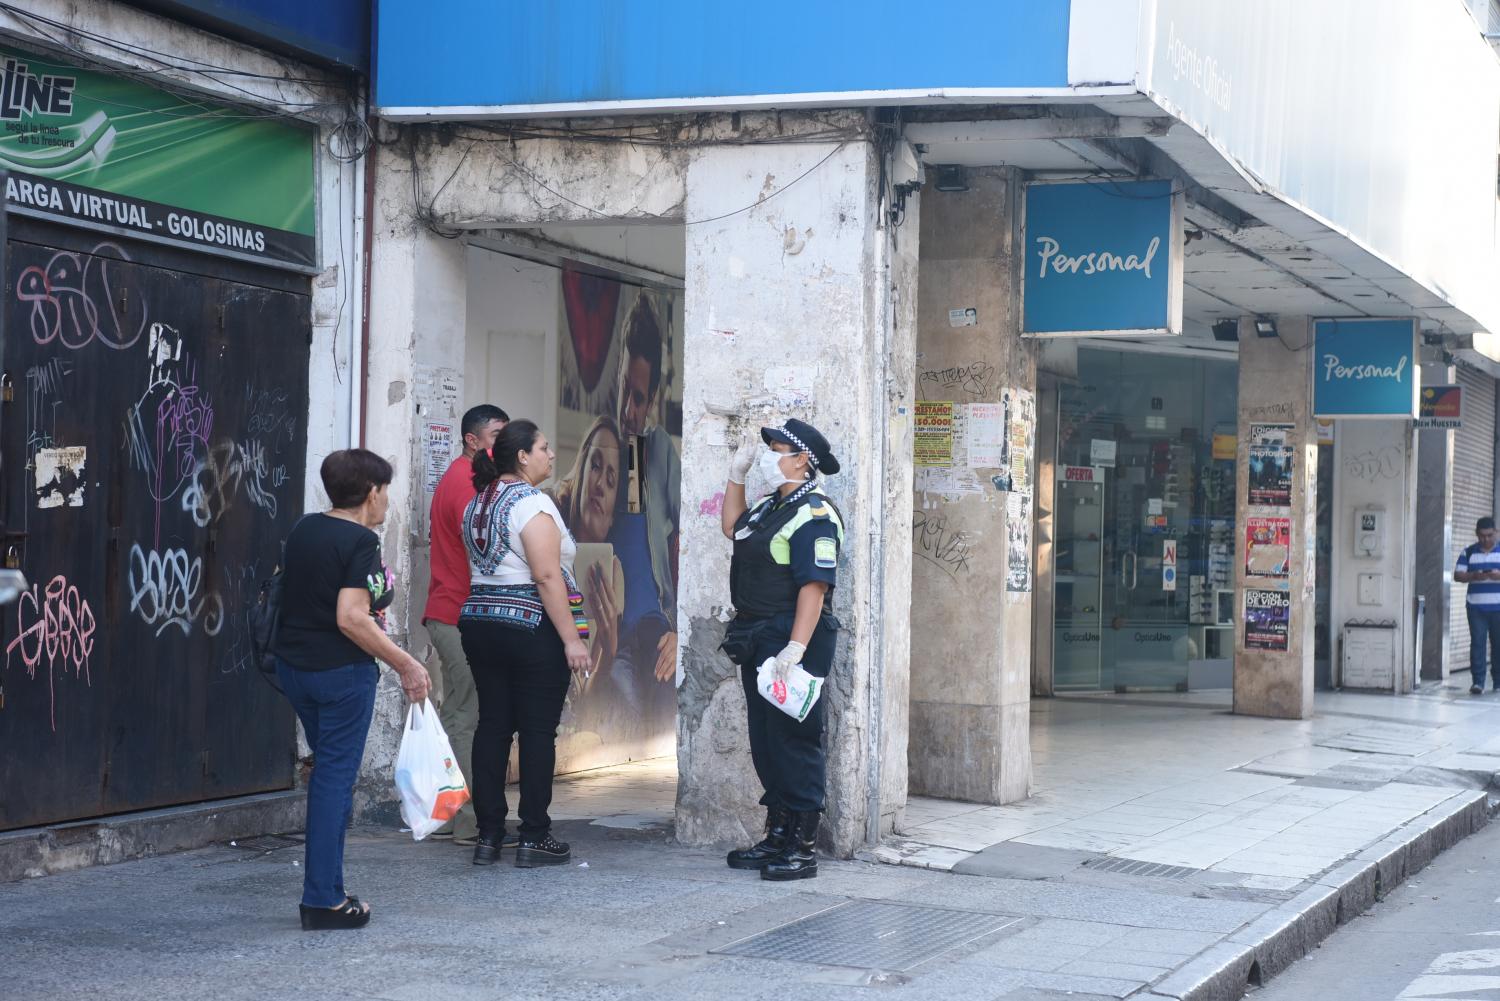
803,437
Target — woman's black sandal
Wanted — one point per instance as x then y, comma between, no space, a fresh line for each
350,914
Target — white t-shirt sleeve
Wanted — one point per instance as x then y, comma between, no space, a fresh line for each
523,511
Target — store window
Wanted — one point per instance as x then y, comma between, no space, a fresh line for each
1145,523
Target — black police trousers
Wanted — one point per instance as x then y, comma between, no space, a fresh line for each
788,756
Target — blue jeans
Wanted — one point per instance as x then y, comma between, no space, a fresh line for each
1484,637
335,708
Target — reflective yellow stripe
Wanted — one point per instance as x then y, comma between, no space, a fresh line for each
815,509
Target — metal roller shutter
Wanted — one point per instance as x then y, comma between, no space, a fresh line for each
1473,489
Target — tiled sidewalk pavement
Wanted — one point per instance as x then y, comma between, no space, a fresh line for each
1266,803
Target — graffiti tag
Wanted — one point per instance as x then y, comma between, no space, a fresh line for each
74,303
54,629
166,589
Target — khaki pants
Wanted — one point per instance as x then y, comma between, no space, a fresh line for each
459,712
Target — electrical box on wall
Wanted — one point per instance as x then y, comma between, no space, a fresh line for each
1369,533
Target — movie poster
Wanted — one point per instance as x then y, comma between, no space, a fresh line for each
616,481
1268,547
1272,457
1268,616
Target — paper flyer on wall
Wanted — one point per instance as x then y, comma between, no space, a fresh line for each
1272,458
932,433
1020,432
1018,543
986,435
1268,617
437,452
1268,546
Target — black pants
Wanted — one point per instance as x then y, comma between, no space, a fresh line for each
521,679
788,756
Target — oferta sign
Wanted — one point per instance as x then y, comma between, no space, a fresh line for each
109,152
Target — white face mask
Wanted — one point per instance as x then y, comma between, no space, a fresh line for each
770,468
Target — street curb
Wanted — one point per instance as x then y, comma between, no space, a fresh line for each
45,851
1286,933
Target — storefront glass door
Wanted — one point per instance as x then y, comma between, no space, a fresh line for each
1144,540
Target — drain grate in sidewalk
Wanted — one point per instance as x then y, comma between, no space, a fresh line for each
870,935
1131,867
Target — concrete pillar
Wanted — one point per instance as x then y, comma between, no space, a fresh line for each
1434,527
797,305
1276,388
417,315
971,627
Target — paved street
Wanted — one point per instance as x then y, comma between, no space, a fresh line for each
1436,936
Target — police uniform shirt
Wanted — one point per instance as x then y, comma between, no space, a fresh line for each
803,547
812,542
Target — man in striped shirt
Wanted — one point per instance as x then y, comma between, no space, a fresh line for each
1479,567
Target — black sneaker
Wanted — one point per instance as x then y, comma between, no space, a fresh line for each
1475,690
545,850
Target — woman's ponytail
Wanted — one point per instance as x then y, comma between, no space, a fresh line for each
485,472
501,459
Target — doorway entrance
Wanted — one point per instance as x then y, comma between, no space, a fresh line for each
1144,533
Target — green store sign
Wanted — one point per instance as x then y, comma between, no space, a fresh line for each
106,151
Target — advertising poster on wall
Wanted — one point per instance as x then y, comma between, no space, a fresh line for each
100,150
1017,543
1268,546
932,433
616,482
1272,457
1268,616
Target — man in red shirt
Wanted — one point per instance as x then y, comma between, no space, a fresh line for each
447,590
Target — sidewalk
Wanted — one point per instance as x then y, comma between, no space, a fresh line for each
1169,852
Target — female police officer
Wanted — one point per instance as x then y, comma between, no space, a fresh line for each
786,551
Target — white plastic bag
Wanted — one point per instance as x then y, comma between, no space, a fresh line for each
431,786
795,696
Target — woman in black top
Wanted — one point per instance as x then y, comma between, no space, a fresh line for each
332,630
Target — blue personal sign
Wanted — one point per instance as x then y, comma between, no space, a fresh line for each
1102,257
1365,368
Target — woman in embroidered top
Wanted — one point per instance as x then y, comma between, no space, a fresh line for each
523,632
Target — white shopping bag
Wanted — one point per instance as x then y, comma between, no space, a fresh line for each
795,696
431,786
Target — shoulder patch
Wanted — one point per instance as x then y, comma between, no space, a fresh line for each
825,553
819,510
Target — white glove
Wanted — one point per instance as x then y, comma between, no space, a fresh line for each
789,658
744,458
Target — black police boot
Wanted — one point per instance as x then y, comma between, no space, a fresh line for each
800,860
778,828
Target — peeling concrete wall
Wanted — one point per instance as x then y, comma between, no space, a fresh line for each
795,304
787,315
417,317
970,636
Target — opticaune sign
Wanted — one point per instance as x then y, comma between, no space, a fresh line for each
1102,257
107,152
1365,368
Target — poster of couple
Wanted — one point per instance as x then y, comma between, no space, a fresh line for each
617,485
